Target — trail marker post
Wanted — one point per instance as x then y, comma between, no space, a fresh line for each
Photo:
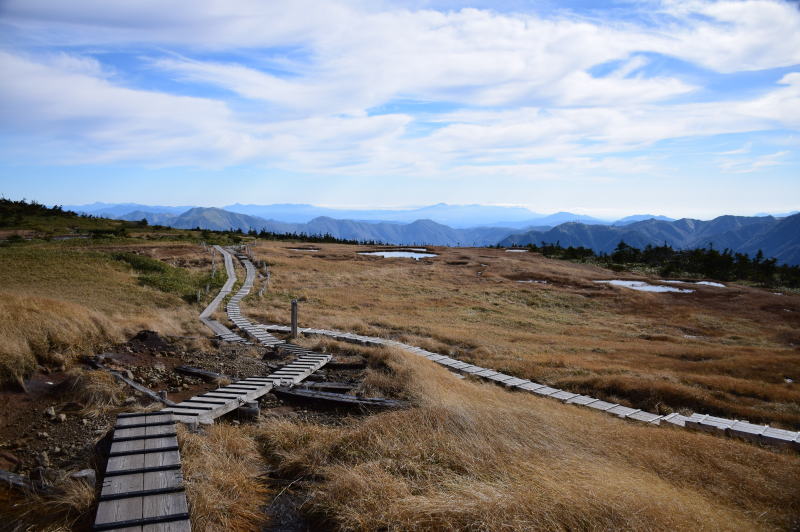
294,318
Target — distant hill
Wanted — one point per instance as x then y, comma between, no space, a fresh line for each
417,232
117,210
641,217
153,218
778,238
457,216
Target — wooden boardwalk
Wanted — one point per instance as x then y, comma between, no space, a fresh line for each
715,425
142,487
219,329
235,313
206,407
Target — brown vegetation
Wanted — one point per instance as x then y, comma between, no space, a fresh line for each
57,301
58,510
221,470
723,351
472,456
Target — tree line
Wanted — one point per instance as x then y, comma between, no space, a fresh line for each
725,265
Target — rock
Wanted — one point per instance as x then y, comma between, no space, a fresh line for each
43,478
87,475
42,435
50,412
61,418
84,421
56,450
42,459
128,374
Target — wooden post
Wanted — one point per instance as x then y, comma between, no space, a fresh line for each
294,318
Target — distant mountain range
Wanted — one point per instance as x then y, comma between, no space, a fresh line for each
777,236
455,216
417,232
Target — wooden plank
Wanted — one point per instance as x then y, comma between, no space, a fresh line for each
139,420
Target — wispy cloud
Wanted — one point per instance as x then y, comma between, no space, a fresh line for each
383,90
753,164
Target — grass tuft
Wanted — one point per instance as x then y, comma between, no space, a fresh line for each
221,470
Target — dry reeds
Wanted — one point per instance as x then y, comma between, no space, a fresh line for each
68,501
57,302
96,391
474,457
221,470
36,330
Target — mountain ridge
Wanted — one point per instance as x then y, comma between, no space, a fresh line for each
777,237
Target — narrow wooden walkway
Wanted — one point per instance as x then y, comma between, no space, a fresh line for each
219,329
235,313
206,407
720,426
142,486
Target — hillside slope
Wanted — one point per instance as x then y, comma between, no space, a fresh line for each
777,238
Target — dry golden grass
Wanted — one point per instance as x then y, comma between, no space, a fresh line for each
98,392
59,511
721,351
472,456
57,302
221,470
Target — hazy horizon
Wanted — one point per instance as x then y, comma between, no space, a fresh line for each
407,208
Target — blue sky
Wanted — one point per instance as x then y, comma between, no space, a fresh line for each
684,108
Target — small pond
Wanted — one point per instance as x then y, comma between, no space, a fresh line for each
646,287
516,251
403,254
704,283
303,249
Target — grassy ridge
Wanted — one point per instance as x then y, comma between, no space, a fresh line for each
170,279
58,300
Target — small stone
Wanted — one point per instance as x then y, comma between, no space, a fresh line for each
129,374
61,418
50,412
42,459
56,450
87,475
84,421
42,435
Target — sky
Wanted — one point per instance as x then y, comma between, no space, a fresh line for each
683,108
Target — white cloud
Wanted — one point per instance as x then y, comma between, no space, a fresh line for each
523,82
752,164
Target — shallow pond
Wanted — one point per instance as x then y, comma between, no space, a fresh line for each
402,254
705,283
646,287
516,251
